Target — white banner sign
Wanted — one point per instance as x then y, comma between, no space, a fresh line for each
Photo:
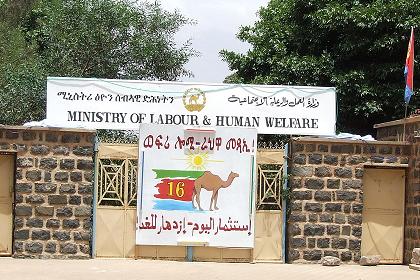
123,104
196,187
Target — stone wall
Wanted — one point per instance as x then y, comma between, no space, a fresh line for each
394,130
412,203
53,191
327,199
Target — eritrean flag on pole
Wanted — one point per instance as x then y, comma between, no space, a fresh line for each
409,69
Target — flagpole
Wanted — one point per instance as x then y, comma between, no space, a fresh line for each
405,120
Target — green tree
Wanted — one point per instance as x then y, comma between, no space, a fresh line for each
21,73
357,46
83,38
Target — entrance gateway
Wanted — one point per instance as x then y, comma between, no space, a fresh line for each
116,190
7,165
123,105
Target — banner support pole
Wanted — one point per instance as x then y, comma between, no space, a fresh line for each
189,253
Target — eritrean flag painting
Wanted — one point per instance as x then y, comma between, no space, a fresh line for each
196,185
175,190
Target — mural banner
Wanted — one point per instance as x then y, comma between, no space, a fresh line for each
124,104
196,186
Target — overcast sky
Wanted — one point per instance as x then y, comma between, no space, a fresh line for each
217,23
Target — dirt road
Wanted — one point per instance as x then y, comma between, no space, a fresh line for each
116,269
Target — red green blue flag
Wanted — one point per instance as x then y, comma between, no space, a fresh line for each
176,184
409,69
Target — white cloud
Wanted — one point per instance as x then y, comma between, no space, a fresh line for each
218,21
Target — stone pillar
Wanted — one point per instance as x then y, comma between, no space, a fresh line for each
53,192
327,198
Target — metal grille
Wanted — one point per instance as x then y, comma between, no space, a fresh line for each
117,182
272,145
269,186
132,183
272,141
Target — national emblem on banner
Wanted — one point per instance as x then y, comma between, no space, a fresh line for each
194,99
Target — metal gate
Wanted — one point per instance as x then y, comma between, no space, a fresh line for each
268,217
116,188
7,165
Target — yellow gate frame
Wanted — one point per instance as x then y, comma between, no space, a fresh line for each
116,192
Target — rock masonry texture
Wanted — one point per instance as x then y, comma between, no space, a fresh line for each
52,167
327,199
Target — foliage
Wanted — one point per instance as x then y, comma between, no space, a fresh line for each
83,38
357,46
22,86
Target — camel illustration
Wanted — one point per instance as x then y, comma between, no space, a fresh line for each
211,182
194,99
